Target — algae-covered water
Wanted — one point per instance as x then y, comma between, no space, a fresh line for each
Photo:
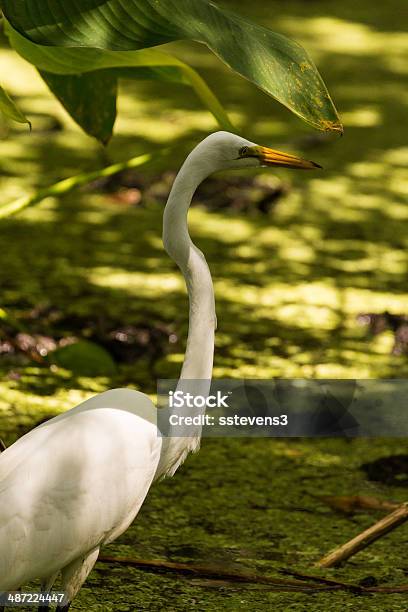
289,286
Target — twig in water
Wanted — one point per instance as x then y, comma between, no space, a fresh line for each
217,574
221,576
367,537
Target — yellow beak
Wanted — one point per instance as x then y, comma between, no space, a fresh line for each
271,157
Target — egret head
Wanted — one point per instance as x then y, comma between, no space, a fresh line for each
223,150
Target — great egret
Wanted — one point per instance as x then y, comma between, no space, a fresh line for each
76,482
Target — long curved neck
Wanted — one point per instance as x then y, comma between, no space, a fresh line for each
198,360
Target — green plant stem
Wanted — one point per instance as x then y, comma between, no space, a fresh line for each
74,182
208,98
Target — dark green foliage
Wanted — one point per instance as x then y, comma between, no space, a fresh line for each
90,99
276,64
84,358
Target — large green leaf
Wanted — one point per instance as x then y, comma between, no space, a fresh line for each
90,99
10,109
149,63
276,64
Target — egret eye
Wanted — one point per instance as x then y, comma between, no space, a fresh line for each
243,151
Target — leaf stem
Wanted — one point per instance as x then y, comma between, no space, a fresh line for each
208,98
67,185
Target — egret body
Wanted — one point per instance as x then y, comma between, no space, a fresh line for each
76,482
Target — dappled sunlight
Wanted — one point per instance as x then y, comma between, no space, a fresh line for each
362,117
368,169
21,77
356,298
289,285
136,283
398,182
334,35
213,226
306,315
21,406
143,120
334,188
396,157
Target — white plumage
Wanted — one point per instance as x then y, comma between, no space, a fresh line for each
77,481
